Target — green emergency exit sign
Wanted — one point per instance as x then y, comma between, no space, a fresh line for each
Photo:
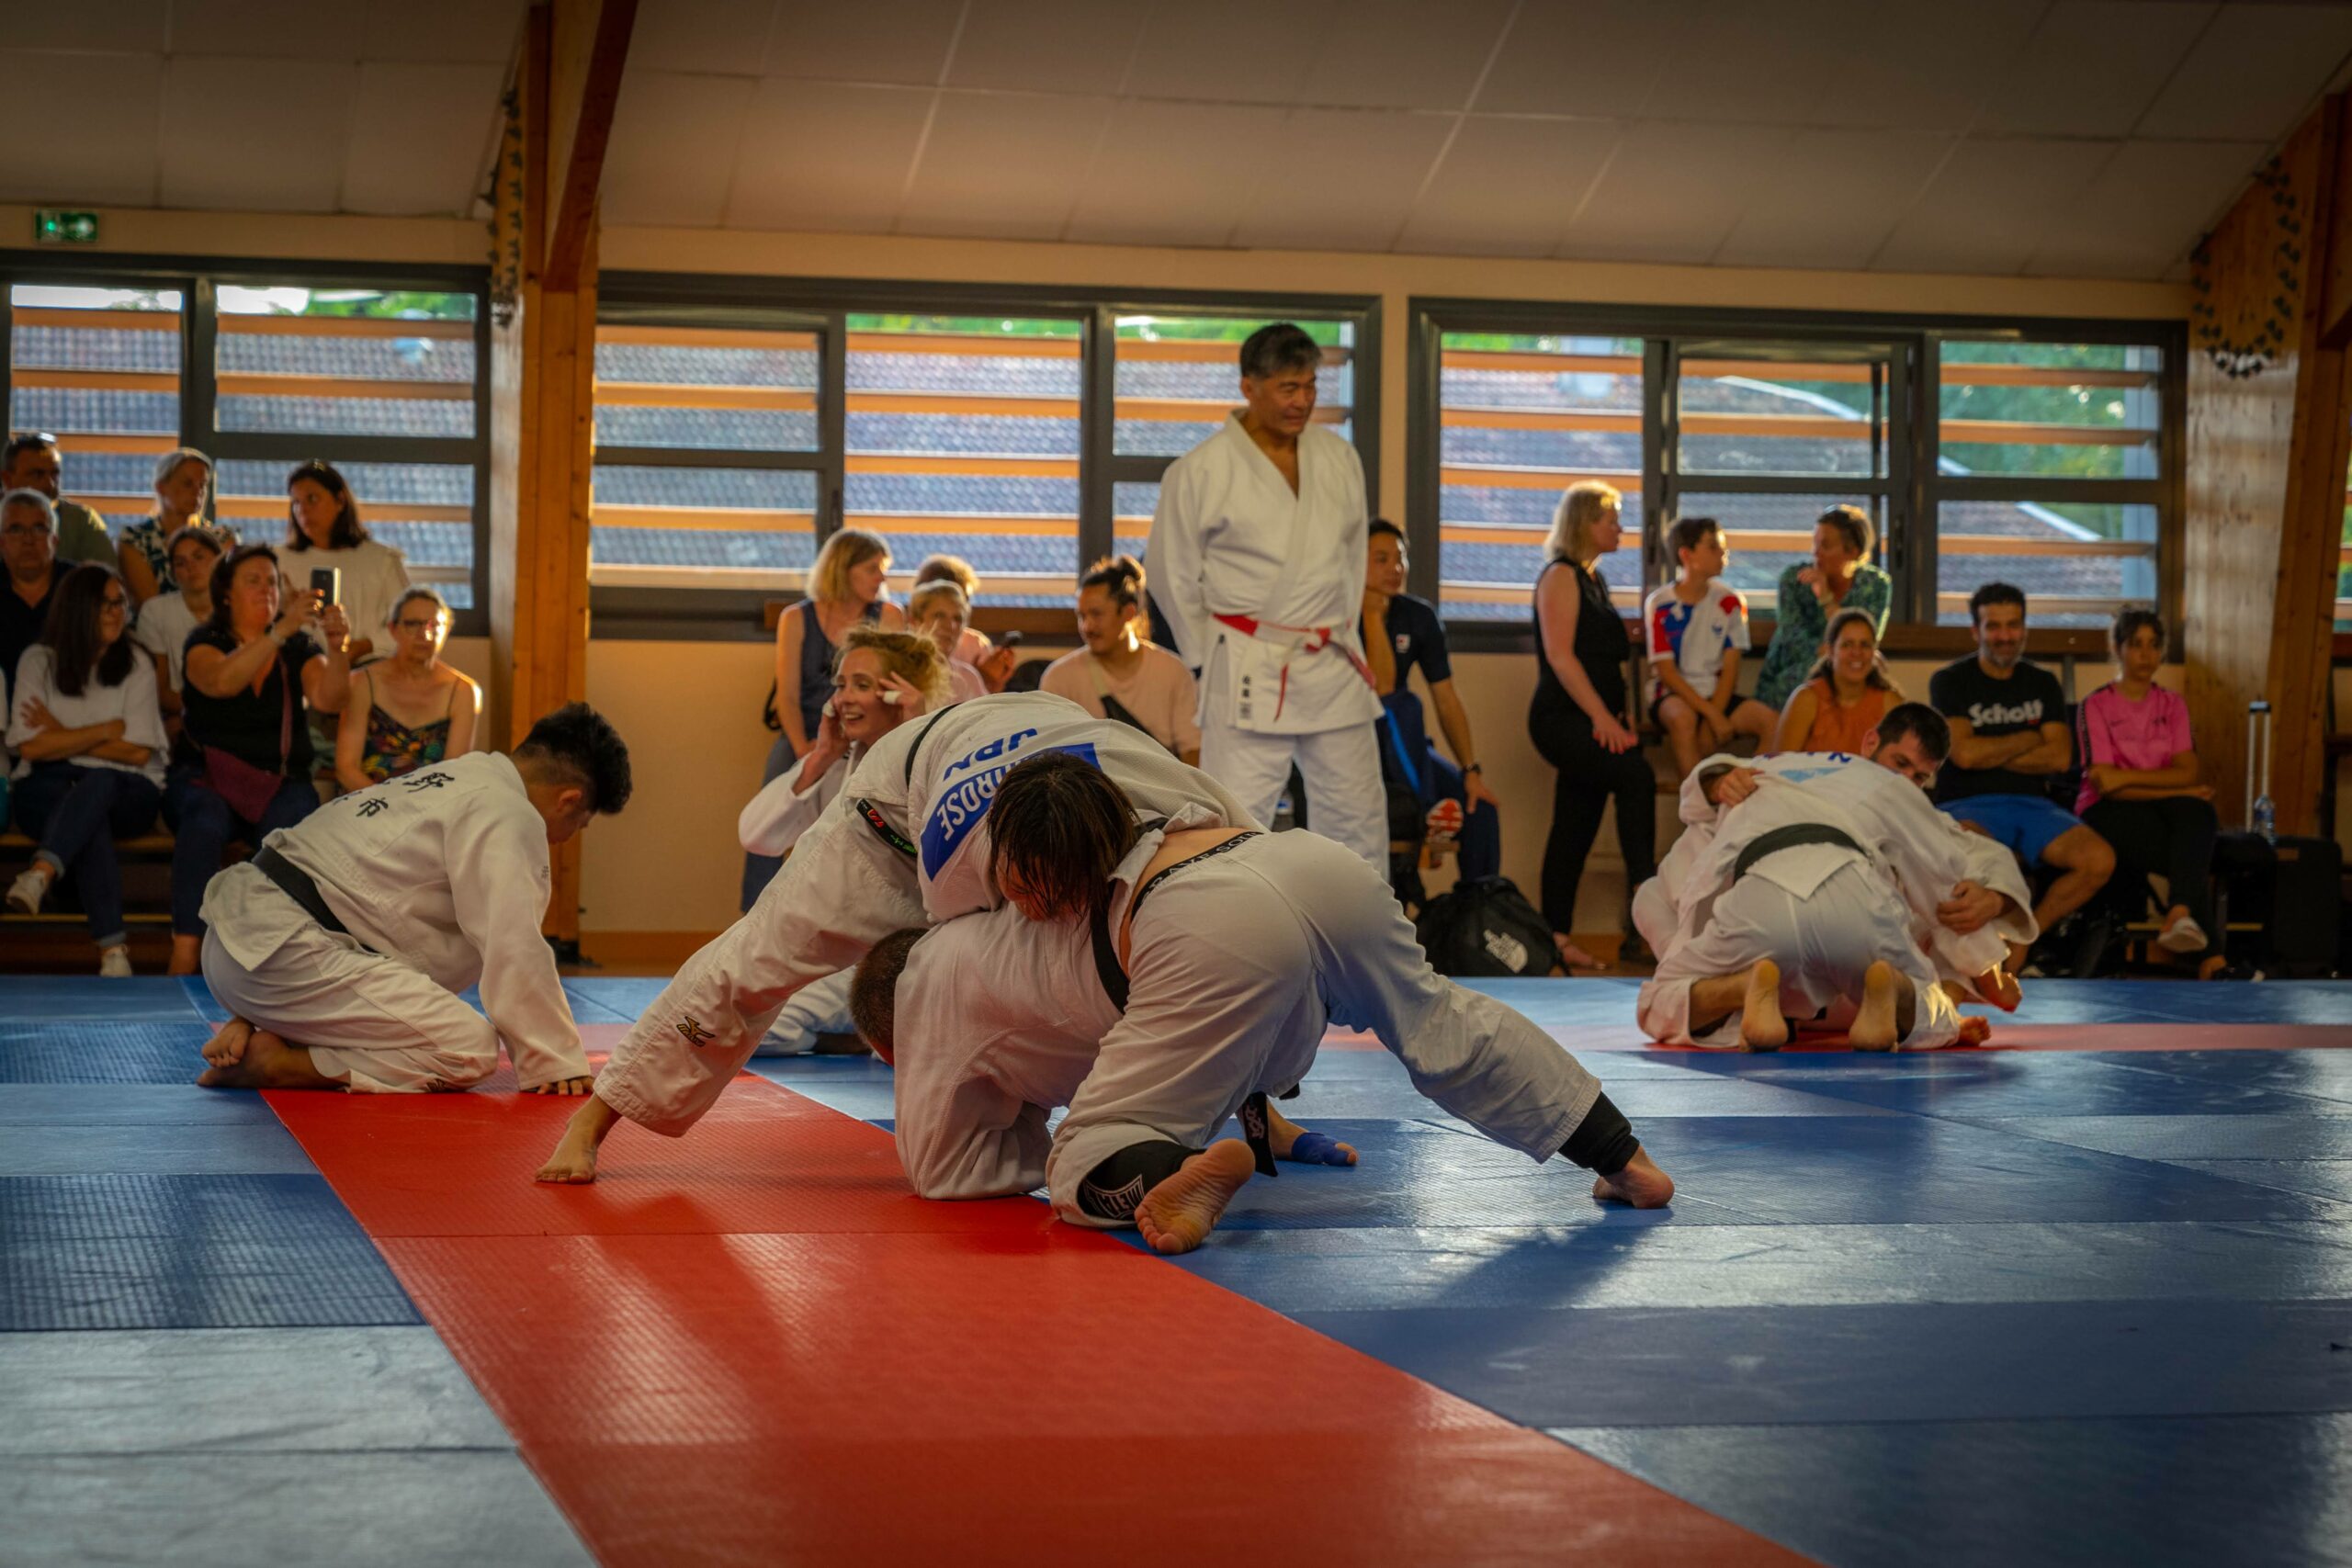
51,227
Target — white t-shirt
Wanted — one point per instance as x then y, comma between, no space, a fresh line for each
374,575
1696,636
162,628
133,702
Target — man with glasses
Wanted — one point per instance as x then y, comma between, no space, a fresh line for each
31,462
29,545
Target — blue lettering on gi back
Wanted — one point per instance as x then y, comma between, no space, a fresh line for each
961,804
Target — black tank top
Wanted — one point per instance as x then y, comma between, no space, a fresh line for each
1601,647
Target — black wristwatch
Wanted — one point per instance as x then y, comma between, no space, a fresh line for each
1475,768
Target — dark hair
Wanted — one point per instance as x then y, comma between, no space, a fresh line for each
1919,719
587,750
1273,350
1994,594
1852,522
874,990
1688,533
224,572
200,533
18,444
949,568
1880,675
347,530
1059,822
73,631
1119,576
1382,526
2129,622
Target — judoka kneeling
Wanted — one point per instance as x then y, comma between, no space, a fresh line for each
1819,882
1225,953
340,948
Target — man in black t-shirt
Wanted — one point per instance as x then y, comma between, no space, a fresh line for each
29,545
1400,632
2009,739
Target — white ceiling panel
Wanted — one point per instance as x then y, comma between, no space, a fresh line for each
1926,64
863,40
252,135
2252,73
1599,58
724,37
129,27
449,32
1176,174
2092,68
1830,198
1672,192
1002,165
1405,54
1509,187
1993,205
1233,50
826,156
270,30
1047,46
1342,180
420,137
672,152
110,157
2131,221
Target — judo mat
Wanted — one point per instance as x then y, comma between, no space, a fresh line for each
2085,1297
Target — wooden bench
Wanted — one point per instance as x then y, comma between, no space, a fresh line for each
146,882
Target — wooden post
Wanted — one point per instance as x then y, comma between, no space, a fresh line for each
2270,436
543,351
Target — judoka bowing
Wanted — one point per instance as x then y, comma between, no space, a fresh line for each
1814,879
906,844
1224,953
340,948
1258,557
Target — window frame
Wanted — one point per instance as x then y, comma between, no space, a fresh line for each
1915,490
199,279
824,305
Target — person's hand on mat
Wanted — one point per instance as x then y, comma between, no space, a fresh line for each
566,1085
1615,736
1971,907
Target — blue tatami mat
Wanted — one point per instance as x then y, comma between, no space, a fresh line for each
100,1053
186,1252
122,1104
153,1148
65,999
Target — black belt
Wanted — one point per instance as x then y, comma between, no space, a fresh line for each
1795,836
296,884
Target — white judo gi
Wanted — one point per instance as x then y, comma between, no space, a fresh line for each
1823,913
441,877
771,825
1239,960
905,843
1232,549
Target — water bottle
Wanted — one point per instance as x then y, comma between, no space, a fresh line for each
2265,819
2262,817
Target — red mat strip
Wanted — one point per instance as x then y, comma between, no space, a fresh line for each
754,1345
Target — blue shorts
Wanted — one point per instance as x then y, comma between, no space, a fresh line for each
2026,824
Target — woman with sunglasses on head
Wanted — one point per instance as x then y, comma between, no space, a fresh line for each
182,480
89,735
417,710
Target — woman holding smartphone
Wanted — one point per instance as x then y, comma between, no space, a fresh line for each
324,533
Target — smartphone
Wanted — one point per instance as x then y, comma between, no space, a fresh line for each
326,581
1010,640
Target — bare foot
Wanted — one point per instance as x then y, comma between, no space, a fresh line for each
2001,989
266,1062
1762,1026
1975,1030
1641,1183
1282,1134
227,1047
1873,1027
1573,956
1178,1214
575,1159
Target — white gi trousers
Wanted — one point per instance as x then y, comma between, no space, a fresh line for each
371,1022
822,1008
1821,942
1346,802
1238,962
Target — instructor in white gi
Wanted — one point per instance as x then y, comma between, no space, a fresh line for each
340,948
1258,557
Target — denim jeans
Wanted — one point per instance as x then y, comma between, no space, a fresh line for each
76,813
205,824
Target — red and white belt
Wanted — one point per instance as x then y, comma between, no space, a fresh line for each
1305,640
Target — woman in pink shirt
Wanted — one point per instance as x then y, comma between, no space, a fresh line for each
2140,786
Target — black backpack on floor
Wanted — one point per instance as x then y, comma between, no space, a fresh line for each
1485,927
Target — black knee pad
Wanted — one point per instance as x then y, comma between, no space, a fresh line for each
1113,1188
